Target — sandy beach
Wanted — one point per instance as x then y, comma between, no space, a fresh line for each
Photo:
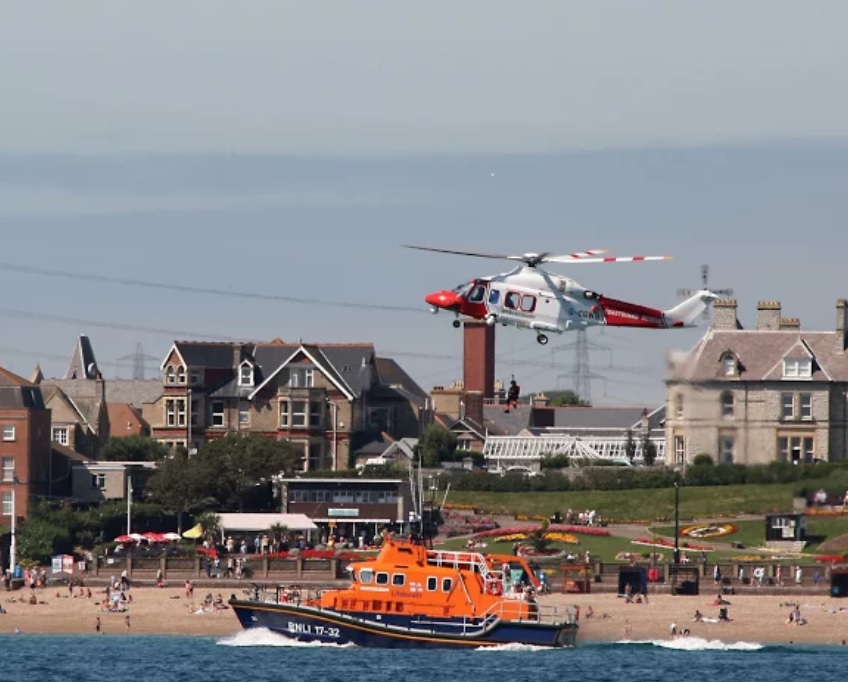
754,618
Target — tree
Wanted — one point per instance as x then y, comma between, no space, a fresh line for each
436,445
649,452
538,538
568,398
182,484
702,459
210,522
630,446
240,463
133,449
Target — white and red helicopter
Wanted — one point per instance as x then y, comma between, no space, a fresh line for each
530,297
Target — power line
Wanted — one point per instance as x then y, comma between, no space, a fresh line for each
705,277
212,291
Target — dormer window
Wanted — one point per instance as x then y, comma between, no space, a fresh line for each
170,375
245,374
797,368
181,375
729,366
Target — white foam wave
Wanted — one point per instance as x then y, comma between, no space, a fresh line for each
513,646
264,637
698,644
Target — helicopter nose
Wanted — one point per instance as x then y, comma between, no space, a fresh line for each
443,299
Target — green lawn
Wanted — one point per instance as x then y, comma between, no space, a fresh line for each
639,505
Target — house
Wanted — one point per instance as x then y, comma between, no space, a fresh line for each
327,400
24,445
84,405
753,396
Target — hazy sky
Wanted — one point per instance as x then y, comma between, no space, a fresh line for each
290,148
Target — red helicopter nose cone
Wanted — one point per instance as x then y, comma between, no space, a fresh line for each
442,299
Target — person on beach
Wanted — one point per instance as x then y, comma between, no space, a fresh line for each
127,622
97,625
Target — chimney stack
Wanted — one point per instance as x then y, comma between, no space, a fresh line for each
768,316
474,406
724,315
842,323
479,358
790,323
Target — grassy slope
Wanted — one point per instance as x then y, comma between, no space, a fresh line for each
639,505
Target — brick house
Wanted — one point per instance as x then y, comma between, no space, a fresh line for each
753,396
325,399
24,445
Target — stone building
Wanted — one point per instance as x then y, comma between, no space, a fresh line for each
754,396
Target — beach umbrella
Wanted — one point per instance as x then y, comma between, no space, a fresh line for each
150,536
124,538
171,536
194,533
137,537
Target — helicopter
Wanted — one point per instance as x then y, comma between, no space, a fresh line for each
530,297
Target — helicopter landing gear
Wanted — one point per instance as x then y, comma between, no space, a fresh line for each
457,324
542,339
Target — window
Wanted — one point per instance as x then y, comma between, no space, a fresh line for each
194,377
246,375
478,294
181,412
679,450
298,413
382,579
796,449
170,375
218,413
494,297
285,414
6,504
98,481
175,412
181,375
512,301
244,417
787,406
302,377
195,415
432,583
528,304
447,584
728,365
678,406
60,435
316,414
805,402
726,445
8,432
308,378
366,575
797,368
727,404
398,579
8,473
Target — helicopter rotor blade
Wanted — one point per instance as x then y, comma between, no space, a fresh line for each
607,259
499,256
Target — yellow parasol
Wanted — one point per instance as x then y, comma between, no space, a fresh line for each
194,533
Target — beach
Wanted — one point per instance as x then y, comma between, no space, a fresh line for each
168,611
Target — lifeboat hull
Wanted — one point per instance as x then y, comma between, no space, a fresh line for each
311,624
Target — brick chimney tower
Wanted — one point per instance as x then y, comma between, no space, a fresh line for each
478,362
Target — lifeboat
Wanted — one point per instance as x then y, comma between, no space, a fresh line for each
409,596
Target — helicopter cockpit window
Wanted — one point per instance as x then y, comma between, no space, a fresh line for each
478,294
512,301
463,289
494,297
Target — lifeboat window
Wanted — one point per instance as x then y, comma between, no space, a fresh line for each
478,294
366,575
399,606
447,583
528,304
376,605
512,301
494,297
398,579
432,583
382,579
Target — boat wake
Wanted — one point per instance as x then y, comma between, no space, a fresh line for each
514,646
256,637
697,644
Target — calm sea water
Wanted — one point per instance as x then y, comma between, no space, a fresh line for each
261,656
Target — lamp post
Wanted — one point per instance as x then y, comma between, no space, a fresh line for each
13,544
188,406
676,522
334,415
129,502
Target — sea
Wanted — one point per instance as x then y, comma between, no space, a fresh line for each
261,656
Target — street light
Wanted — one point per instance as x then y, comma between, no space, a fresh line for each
13,545
334,415
676,522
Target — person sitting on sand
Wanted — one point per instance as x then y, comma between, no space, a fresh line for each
699,617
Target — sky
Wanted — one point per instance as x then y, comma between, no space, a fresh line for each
288,149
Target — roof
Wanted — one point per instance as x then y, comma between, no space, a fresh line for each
72,455
124,420
8,378
135,392
84,395
759,355
82,364
391,374
510,423
262,522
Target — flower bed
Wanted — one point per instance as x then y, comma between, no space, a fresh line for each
668,544
553,528
709,530
565,538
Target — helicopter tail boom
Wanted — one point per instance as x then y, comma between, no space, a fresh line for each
623,314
